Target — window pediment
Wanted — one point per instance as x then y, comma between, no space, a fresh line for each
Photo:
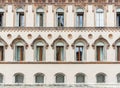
39,38
58,40
101,39
17,40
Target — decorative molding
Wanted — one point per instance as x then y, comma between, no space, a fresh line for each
39,38
5,43
61,40
101,39
80,39
19,38
114,44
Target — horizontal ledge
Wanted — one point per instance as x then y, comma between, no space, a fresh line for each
23,62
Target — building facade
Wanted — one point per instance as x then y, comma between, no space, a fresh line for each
59,43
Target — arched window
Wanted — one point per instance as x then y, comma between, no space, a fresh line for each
99,17
80,78
1,78
19,46
19,78
118,78
101,45
39,78
80,45
39,45
118,17
20,20
40,17
60,17
59,45
79,17
60,78
100,77
1,17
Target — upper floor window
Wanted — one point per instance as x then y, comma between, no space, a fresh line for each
101,45
118,17
19,78
20,18
100,77
60,78
99,17
39,45
79,17
39,17
60,46
80,45
1,51
100,51
118,78
1,17
39,78
19,51
60,17
1,78
80,78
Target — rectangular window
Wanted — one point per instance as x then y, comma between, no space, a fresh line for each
20,19
59,53
1,53
60,19
1,19
19,53
79,53
118,19
118,53
80,18
39,19
100,53
39,53
99,19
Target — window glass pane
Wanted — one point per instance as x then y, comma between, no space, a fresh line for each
79,53
99,19
59,78
21,19
19,53
1,78
1,53
39,19
118,53
59,53
80,78
100,78
1,19
118,78
39,78
100,53
39,53
19,78
118,19
79,20
60,19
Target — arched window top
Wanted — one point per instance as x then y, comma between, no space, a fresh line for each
59,44
19,41
116,43
1,10
60,10
82,74
118,9
60,41
101,41
19,44
41,74
80,10
80,41
40,10
101,74
18,74
57,74
40,42
100,44
99,10
20,10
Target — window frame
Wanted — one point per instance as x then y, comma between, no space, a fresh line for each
64,78
101,74
79,75
20,75
39,75
2,78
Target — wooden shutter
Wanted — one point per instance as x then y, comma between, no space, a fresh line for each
98,53
21,53
58,53
1,53
118,53
41,53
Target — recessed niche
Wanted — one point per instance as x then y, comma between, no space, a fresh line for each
49,36
70,36
9,36
29,36
90,36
